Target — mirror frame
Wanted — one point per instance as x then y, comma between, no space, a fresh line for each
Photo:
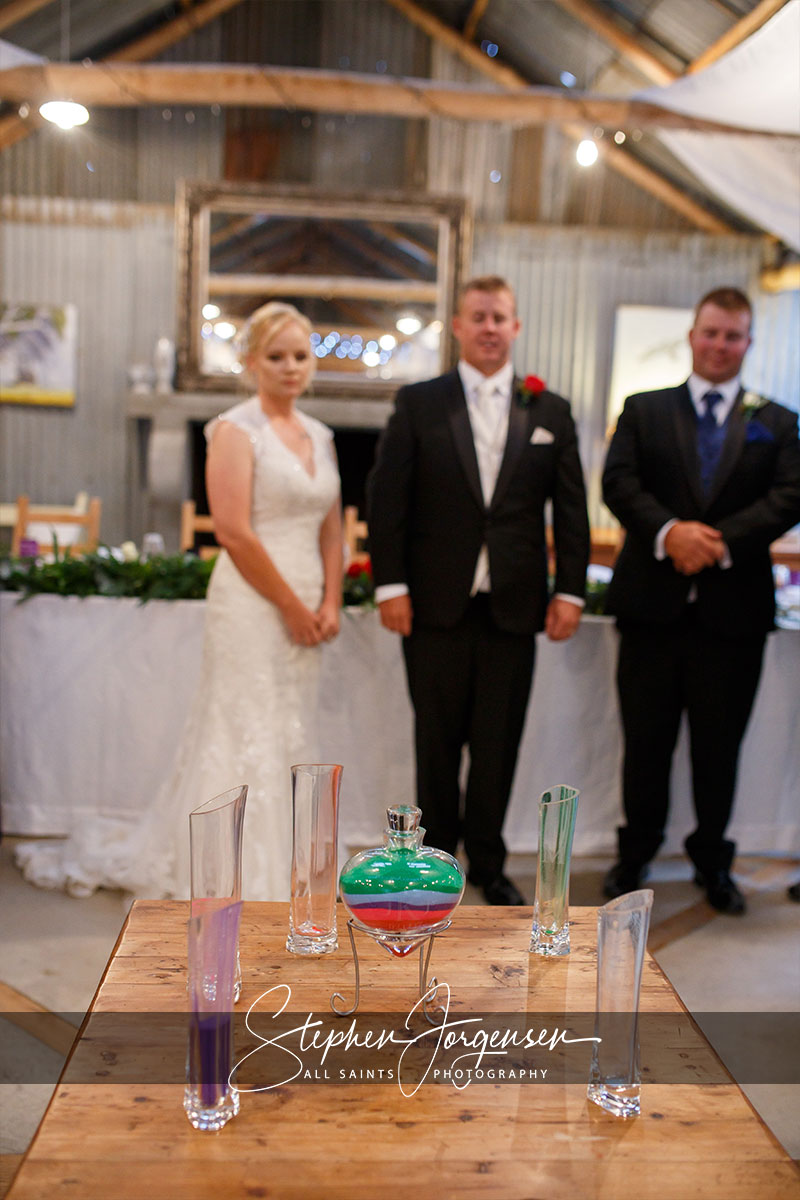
195,200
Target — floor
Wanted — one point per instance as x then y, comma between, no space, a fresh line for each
54,950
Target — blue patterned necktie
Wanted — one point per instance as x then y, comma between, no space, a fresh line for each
710,437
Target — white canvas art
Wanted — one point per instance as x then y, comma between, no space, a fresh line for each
38,353
651,351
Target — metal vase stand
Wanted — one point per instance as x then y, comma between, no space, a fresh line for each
389,940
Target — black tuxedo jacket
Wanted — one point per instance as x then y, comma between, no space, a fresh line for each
652,474
427,518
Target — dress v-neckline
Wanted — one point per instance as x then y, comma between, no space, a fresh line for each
292,454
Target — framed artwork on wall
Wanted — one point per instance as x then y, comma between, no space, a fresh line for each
650,351
38,353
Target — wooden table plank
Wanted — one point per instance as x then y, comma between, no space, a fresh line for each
694,1139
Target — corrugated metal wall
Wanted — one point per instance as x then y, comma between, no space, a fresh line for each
470,159
115,263
569,283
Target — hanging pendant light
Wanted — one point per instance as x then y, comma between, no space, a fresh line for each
64,113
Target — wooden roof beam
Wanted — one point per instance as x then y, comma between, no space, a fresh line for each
14,11
125,86
474,19
618,159
14,128
737,34
628,46
151,44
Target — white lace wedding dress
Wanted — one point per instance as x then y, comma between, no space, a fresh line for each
254,713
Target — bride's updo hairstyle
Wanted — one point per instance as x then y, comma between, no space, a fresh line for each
265,324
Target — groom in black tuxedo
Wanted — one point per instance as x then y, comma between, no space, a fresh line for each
456,504
703,477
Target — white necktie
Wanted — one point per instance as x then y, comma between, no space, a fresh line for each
488,429
489,411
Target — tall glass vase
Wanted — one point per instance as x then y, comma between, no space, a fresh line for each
215,838
209,1100
622,927
315,812
558,808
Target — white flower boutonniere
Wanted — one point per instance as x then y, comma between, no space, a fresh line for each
751,403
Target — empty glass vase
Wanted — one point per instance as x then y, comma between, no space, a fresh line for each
622,926
315,812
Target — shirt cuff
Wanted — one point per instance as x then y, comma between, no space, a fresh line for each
390,591
726,561
658,546
570,599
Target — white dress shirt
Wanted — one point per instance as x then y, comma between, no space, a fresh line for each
698,389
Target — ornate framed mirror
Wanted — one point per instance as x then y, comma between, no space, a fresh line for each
375,274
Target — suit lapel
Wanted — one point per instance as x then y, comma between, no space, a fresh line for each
518,424
458,417
731,448
684,421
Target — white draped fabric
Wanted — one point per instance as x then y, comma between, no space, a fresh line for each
757,86
93,695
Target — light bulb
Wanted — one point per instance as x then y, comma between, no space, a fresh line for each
64,113
587,152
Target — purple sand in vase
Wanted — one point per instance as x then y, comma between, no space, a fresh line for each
210,1055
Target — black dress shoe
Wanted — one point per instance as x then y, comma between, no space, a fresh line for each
622,878
503,891
794,891
721,892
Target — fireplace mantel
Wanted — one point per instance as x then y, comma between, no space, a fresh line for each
159,460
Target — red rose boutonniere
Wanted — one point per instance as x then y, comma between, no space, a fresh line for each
530,387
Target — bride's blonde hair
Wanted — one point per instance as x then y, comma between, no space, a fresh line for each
265,324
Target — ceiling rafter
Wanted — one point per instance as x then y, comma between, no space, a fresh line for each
124,85
14,128
630,47
594,18
14,11
617,158
474,19
737,34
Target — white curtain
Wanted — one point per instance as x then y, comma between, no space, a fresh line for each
757,86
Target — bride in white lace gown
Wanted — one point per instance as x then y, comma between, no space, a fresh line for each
274,597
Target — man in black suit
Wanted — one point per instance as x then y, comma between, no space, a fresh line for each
703,477
456,521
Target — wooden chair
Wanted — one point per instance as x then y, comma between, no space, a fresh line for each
87,523
193,523
355,533
606,545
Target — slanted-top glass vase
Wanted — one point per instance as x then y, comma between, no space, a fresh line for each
401,892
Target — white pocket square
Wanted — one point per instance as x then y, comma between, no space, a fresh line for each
541,436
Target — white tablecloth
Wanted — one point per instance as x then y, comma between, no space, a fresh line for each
93,694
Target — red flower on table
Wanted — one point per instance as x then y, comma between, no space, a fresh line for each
530,387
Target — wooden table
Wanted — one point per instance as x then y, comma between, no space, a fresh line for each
695,1138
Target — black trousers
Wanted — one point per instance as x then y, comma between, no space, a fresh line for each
662,671
469,686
